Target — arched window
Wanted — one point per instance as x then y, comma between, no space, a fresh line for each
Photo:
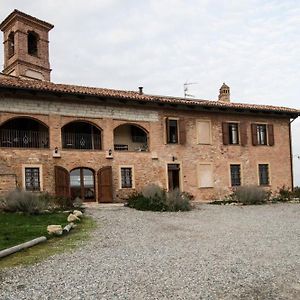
24,132
130,137
11,44
81,135
32,42
82,184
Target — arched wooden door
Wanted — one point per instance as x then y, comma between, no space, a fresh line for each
62,182
105,193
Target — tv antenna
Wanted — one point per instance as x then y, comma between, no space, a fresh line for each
186,89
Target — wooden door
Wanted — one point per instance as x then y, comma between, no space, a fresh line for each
105,194
173,176
62,182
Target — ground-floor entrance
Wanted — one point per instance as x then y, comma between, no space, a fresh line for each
173,176
81,182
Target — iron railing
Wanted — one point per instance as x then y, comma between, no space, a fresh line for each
82,141
14,138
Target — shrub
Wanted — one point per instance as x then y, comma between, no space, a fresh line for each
140,202
36,203
177,201
250,194
21,201
284,194
296,192
155,198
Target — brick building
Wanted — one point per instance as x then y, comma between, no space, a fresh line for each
101,144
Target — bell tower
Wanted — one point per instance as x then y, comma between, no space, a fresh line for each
26,46
224,94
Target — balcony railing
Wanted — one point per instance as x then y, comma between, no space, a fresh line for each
82,141
122,147
24,138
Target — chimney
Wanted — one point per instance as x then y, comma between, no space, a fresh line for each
224,94
141,90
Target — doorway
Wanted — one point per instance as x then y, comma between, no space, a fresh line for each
173,176
82,184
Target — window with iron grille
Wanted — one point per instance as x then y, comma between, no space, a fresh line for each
261,134
233,129
235,172
263,170
126,177
32,179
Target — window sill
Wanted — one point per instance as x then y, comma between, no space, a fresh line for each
82,150
205,187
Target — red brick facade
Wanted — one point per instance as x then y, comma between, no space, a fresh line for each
198,151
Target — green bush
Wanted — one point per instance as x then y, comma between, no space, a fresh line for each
284,194
177,201
155,198
36,203
21,201
296,192
250,194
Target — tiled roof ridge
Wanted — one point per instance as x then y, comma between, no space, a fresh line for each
15,82
16,11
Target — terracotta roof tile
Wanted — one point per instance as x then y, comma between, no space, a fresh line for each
14,82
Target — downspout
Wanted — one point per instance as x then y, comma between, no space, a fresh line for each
291,153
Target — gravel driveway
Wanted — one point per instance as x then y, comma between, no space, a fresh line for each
214,252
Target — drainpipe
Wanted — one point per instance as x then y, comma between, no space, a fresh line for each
291,152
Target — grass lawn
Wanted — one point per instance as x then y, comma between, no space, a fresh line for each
18,228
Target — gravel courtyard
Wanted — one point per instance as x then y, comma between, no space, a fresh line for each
213,252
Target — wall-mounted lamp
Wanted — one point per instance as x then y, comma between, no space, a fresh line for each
174,158
56,152
109,154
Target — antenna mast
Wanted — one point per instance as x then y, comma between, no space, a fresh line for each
186,89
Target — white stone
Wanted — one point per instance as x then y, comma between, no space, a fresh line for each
55,229
77,213
72,218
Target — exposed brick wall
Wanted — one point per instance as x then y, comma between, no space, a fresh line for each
146,169
7,184
21,60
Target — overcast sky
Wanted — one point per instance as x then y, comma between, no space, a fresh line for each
253,46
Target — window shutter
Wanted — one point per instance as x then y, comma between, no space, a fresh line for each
243,133
270,134
62,182
182,131
165,130
254,134
225,130
105,190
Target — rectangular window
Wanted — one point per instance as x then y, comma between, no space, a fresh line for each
261,134
172,131
205,175
32,179
233,130
235,173
263,170
204,132
126,177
